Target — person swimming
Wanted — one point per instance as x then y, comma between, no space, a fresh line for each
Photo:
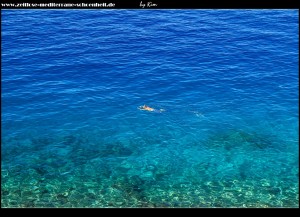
148,108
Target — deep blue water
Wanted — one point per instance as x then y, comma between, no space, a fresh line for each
72,135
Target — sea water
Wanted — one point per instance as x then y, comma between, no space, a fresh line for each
72,133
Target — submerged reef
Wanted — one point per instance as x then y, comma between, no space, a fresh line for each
229,169
233,139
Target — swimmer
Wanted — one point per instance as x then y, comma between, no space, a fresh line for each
147,108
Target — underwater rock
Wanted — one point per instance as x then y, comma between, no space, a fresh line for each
147,204
41,141
232,139
147,176
116,149
29,204
69,140
4,193
163,204
41,170
125,167
91,195
16,170
274,190
13,203
62,198
131,188
151,167
136,180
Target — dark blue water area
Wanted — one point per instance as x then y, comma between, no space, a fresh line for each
72,133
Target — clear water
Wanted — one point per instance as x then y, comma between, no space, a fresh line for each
72,135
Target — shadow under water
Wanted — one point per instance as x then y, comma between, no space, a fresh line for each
233,139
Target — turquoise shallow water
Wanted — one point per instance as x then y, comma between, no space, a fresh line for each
72,133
